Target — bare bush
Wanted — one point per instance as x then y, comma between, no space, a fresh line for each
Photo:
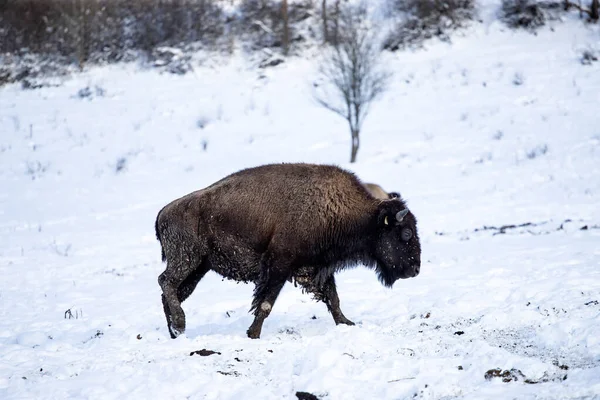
33,70
78,32
352,75
522,14
588,56
592,11
105,30
537,151
330,20
61,250
518,79
90,93
69,314
171,59
529,14
424,19
36,169
271,23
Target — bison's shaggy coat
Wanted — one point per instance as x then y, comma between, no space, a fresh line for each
270,224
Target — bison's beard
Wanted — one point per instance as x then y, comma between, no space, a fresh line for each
388,276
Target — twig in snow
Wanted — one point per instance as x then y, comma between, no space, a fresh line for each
69,314
64,251
261,25
402,379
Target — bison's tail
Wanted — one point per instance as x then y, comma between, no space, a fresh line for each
162,249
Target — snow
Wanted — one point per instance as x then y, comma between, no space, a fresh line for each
84,177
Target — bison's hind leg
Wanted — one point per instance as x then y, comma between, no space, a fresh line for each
177,282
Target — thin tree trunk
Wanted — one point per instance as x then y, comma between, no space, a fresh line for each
80,32
355,145
324,16
595,10
286,28
336,22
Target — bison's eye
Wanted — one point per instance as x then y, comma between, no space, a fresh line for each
406,234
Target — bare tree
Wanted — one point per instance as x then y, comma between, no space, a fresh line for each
286,27
329,18
324,18
352,74
336,21
593,11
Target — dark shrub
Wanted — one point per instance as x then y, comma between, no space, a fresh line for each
105,30
522,14
424,19
261,21
528,14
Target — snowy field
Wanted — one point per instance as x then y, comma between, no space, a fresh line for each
500,128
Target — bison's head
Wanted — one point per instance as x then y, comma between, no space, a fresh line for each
397,249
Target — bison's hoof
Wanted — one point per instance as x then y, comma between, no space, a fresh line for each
345,321
252,334
176,326
175,332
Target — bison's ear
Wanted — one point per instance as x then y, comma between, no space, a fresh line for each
387,216
391,213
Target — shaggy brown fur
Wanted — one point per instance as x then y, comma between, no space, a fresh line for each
278,223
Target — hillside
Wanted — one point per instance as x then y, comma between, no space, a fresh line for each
493,140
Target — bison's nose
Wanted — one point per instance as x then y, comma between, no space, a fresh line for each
417,269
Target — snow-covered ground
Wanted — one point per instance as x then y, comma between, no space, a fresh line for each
499,128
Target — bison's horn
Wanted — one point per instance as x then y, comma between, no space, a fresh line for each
401,214
385,221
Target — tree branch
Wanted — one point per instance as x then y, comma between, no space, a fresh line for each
578,7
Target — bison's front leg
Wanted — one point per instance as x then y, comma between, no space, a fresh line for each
177,283
331,299
324,291
171,304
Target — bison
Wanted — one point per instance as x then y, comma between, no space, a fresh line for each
283,222
378,192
